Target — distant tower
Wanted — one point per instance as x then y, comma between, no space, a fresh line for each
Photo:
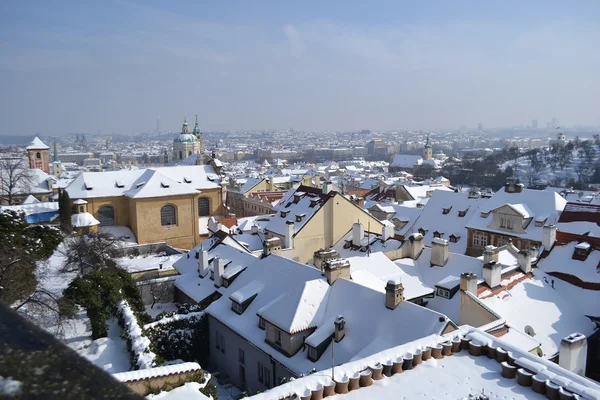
186,143
56,164
427,153
196,132
38,154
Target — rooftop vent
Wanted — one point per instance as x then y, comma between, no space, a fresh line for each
88,185
187,179
120,183
139,185
164,184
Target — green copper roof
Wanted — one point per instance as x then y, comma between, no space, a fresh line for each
185,138
197,127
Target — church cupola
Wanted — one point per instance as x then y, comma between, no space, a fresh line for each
185,129
197,131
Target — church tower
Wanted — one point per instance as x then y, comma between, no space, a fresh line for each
38,154
427,153
186,143
196,132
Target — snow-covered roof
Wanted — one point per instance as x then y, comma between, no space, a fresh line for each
83,219
297,297
406,161
561,260
345,248
459,209
30,200
533,203
249,184
37,144
444,378
151,182
305,207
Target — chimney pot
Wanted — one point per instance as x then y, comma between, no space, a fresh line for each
394,293
335,269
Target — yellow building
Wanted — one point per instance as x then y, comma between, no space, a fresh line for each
169,204
309,219
237,194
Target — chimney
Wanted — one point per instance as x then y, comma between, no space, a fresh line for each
524,260
573,353
492,274
414,247
439,252
358,233
548,236
289,235
340,328
513,187
468,282
394,293
219,269
326,187
254,229
272,245
387,231
489,255
203,263
320,257
533,252
338,268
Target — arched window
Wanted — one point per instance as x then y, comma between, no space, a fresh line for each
106,215
168,215
189,153
203,207
38,155
180,155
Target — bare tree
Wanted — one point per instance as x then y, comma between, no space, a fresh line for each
91,252
158,289
15,177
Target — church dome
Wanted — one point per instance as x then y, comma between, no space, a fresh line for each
185,138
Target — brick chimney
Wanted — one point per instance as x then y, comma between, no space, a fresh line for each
320,257
358,233
272,246
289,235
218,269
394,293
468,282
524,260
335,269
340,328
439,252
203,263
573,353
492,274
548,236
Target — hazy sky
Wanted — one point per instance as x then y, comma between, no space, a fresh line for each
82,66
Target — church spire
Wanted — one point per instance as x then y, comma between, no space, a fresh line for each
197,131
185,128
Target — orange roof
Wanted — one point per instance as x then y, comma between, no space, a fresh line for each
228,222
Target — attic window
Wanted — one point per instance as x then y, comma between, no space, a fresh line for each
314,202
437,234
422,231
187,179
164,184
453,238
540,221
297,198
88,185
484,214
462,213
261,323
582,250
299,217
120,183
446,210
284,213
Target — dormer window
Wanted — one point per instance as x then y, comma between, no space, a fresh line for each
284,213
237,307
446,210
422,231
312,353
299,217
506,223
297,198
484,214
582,250
540,221
437,234
313,203
454,238
261,323
462,213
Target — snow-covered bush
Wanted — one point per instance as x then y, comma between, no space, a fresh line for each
137,343
180,336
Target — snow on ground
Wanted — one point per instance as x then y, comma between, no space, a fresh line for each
189,391
159,308
109,353
49,272
227,393
9,387
148,262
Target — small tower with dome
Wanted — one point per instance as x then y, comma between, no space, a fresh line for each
187,143
427,152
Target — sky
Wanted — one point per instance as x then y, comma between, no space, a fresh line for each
117,66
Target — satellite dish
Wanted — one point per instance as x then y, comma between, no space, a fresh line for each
529,330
